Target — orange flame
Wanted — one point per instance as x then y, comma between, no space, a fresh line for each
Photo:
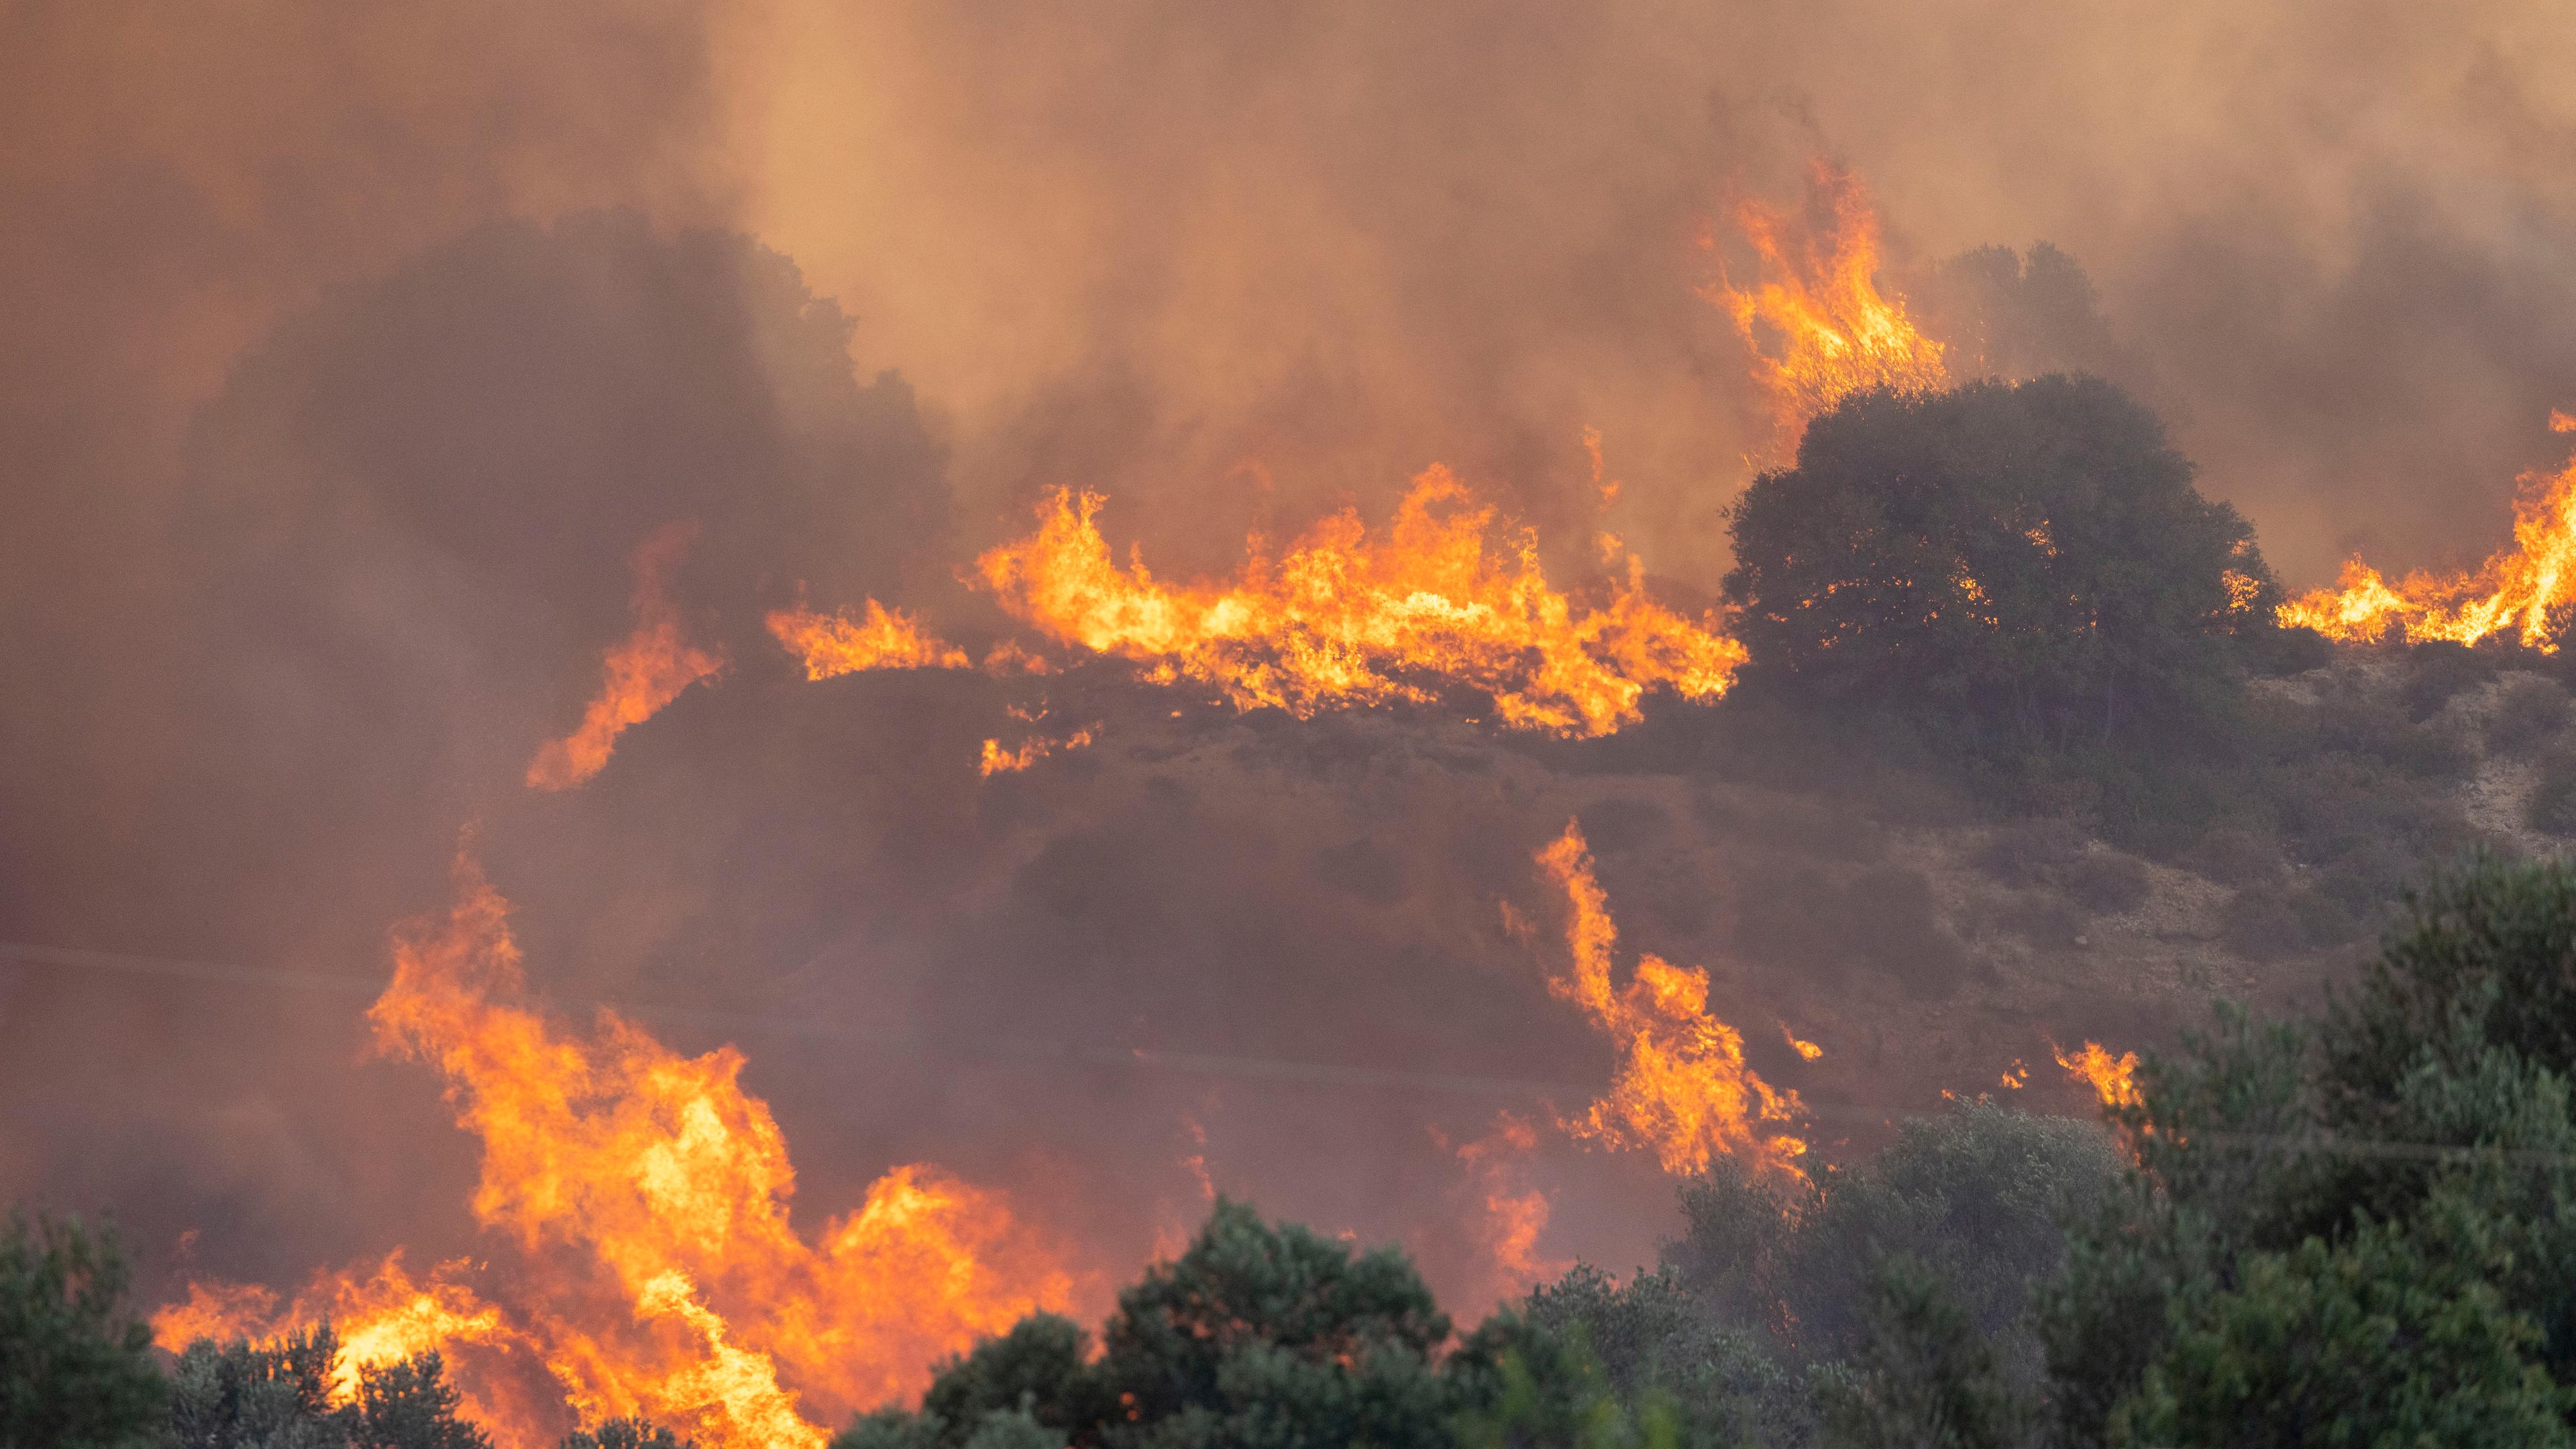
2113,1079
999,761
1831,331
1346,620
1514,1212
647,1197
640,674
2528,589
1682,1088
381,1318
836,644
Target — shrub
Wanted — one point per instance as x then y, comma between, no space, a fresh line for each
2552,808
75,1366
2237,857
2437,670
2106,882
2028,852
2266,923
2528,712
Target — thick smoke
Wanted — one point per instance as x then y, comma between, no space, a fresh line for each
354,352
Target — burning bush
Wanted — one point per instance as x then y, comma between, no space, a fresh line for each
2027,565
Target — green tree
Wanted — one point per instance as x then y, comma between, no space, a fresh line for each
1981,1194
1923,1376
630,1433
2357,1228
2027,562
410,1405
1255,1336
2370,1341
258,1396
75,1366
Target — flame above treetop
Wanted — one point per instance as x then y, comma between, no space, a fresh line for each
1344,618
1819,326
1682,1087
2527,592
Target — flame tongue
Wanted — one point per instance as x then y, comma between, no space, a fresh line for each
2113,1079
835,644
1344,619
1682,1089
640,674
1834,332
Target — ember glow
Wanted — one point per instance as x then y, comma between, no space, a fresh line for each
2113,1079
1819,326
2523,593
641,673
836,644
644,1197
1444,598
1682,1089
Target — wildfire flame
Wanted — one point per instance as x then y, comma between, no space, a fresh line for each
998,761
2113,1079
836,644
1345,619
640,673
1830,331
1682,1087
2529,589
1515,1213
382,1318
646,1195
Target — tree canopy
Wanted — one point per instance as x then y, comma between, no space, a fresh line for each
2028,562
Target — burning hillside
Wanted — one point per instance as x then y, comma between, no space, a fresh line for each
640,1201
2524,594
1278,684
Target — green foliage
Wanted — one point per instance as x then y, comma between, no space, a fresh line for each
1525,1386
2356,1229
276,1395
893,1427
1590,1353
631,1433
1255,1335
257,1396
2029,563
75,1367
1275,1335
1921,1374
410,1405
1039,1368
1978,1195
2366,1342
